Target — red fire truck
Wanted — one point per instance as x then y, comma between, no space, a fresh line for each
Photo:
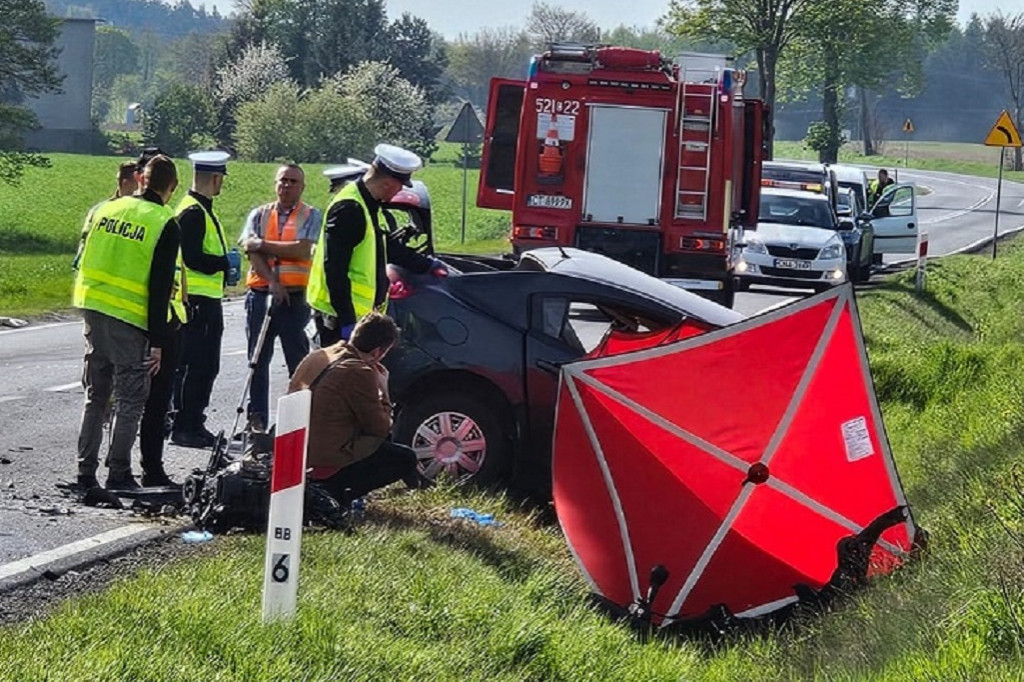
620,151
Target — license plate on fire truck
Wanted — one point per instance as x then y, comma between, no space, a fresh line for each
548,201
792,264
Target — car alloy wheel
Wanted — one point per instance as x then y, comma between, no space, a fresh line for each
449,443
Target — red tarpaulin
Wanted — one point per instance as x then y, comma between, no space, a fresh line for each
738,459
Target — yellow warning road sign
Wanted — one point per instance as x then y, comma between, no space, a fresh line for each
908,126
1004,133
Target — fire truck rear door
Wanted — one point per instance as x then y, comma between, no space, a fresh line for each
625,165
501,137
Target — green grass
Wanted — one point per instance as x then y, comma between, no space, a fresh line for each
413,595
42,218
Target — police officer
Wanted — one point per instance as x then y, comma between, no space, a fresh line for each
123,287
344,174
278,238
204,254
349,274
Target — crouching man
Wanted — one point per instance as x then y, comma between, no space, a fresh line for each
350,451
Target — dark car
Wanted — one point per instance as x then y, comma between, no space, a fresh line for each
854,225
475,374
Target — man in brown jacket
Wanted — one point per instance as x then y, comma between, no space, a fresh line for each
350,451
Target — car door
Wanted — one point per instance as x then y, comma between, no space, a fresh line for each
894,218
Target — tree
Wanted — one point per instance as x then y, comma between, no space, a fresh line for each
27,68
182,118
1004,42
552,24
288,123
489,53
419,54
764,27
115,55
397,107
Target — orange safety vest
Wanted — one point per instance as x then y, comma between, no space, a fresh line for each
290,273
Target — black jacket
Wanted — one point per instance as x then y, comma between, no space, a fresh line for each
161,278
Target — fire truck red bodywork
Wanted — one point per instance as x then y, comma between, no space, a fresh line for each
612,150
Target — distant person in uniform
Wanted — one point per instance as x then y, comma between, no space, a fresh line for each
350,451
279,239
204,254
877,187
123,287
128,176
349,274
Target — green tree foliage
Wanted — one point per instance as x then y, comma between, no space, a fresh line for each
489,53
27,68
764,27
1004,51
182,118
288,123
419,54
847,43
398,108
115,55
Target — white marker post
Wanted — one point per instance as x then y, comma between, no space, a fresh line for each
922,260
287,501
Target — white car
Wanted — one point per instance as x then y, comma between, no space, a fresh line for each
796,243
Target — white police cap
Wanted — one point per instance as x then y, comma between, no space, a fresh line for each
397,162
210,161
351,170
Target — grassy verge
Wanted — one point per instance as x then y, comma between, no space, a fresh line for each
42,219
414,595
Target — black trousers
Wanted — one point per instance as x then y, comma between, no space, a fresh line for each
327,336
389,463
200,362
151,430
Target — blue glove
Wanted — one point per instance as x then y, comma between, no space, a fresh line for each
346,331
234,274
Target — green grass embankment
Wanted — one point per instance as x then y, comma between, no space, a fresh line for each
42,219
413,595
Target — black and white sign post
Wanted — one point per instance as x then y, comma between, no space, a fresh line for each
467,130
1003,134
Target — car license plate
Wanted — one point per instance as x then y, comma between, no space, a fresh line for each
793,264
549,201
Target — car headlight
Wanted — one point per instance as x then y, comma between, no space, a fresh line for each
832,251
755,246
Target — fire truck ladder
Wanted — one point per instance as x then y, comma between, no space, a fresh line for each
696,126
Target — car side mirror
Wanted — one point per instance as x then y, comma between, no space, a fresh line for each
865,216
847,224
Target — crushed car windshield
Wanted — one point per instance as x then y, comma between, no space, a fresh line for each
791,210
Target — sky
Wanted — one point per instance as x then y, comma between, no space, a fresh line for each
452,17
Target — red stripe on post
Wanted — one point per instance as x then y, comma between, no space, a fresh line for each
922,249
287,469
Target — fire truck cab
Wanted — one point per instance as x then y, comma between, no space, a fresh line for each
622,152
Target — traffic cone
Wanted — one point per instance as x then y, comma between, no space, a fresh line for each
550,161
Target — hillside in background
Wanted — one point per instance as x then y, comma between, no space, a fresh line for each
153,16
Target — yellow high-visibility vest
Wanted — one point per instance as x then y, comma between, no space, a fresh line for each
113,275
362,268
201,284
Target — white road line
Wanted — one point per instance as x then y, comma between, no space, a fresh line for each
235,352
29,563
9,398
35,329
63,387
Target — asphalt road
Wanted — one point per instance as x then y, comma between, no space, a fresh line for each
41,395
